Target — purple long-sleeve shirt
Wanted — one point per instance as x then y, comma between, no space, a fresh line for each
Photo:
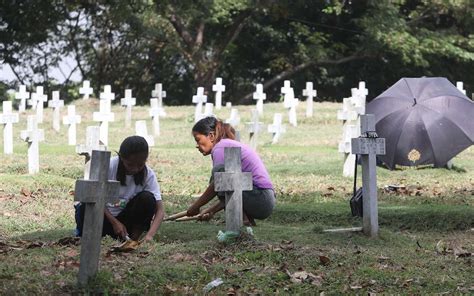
251,162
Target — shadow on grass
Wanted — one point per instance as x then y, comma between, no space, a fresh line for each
412,217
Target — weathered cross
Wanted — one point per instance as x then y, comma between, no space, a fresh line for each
56,104
103,117
142,131
33,136
254,127
310,93
22,95
37,101
128,102
349,132
277,128
94,193
286,87
71,119
159,94
233,181
260,96
155,112
92,143
368,146
86,89
7,119
107,94
219,88
199,99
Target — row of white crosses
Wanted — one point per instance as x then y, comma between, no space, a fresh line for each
352,108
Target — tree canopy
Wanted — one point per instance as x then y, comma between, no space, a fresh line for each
186,44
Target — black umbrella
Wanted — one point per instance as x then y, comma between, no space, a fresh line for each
424,121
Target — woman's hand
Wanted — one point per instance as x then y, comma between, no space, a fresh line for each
147,238
192,211
120,229
206,216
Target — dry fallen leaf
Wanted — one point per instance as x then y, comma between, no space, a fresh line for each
303,276
324,260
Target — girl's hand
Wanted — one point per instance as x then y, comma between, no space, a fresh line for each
147,238
206,216
192,211
120,229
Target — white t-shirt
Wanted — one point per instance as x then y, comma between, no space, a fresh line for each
131,189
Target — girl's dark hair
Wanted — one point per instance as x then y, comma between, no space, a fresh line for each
211,124
132,145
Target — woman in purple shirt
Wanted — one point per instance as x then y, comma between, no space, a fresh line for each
212,136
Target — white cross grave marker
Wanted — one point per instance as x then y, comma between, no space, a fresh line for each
94,193
228,105
233,181
260,96
277,128
159,94
254,127
104,116
290,103
208,110
107,94
309,93
33,136
128,102
92,143
199,99
155,112
71,119
142,131
234,118
219,88
86,89
37,101
7,118
22,95
368,146
460,86
56,104
286,87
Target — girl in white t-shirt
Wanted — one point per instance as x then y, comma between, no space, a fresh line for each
140,208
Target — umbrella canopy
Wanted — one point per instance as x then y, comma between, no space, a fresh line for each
424,121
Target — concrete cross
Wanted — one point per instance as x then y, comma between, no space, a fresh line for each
199,99
104,116
234,118
290,103
286,87
260,96
107,94
142,131
56,104
228,105
7,119
92,143
86,89
277,128
155,112
348,112
128,102
71,119
309,93
349,132
254,127
22,95
233,181
208,110
219,88
159,94
94,193
32,135
460,86
368,147
37,101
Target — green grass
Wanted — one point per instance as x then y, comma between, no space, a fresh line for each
426,231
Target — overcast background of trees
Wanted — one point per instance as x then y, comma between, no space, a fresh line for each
186,44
